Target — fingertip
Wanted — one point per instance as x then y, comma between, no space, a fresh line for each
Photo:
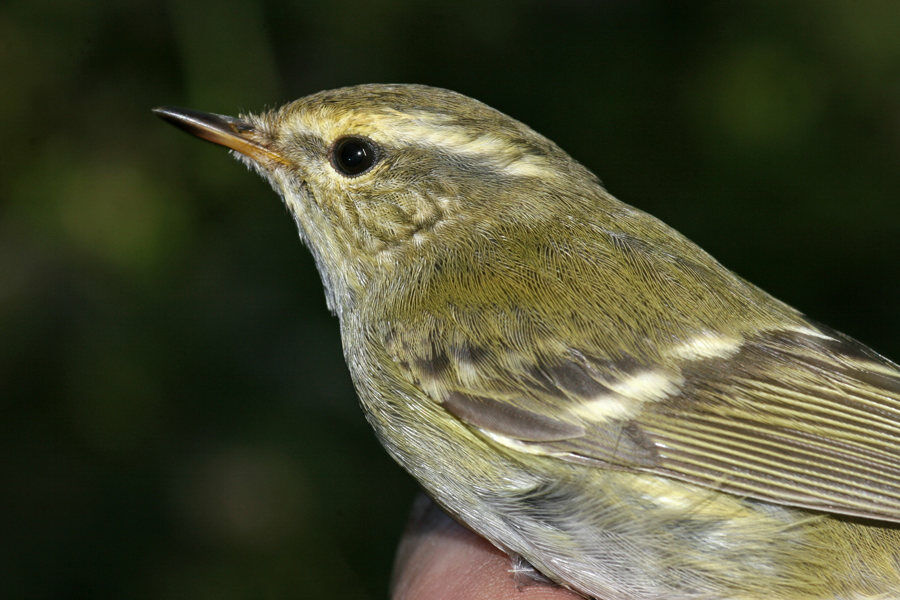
438,558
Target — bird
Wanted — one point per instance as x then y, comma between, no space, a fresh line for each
568,376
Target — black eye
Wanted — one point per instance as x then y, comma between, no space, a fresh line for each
353,156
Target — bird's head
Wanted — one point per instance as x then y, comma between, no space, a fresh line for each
377,175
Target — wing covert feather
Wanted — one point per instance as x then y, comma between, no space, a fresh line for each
803,416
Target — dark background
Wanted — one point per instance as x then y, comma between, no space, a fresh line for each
177,420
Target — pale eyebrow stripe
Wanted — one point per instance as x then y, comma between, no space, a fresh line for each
496,152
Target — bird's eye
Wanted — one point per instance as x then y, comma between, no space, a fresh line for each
353,156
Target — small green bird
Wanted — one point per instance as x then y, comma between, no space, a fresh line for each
570,377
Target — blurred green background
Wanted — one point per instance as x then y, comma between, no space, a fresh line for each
177,420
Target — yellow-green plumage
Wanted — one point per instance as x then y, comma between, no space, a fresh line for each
572,378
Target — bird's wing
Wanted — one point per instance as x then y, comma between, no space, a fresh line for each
804,416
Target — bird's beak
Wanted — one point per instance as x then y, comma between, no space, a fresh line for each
226,131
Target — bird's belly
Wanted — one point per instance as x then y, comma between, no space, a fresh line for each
617,535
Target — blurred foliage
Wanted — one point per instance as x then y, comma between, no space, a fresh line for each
177,418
